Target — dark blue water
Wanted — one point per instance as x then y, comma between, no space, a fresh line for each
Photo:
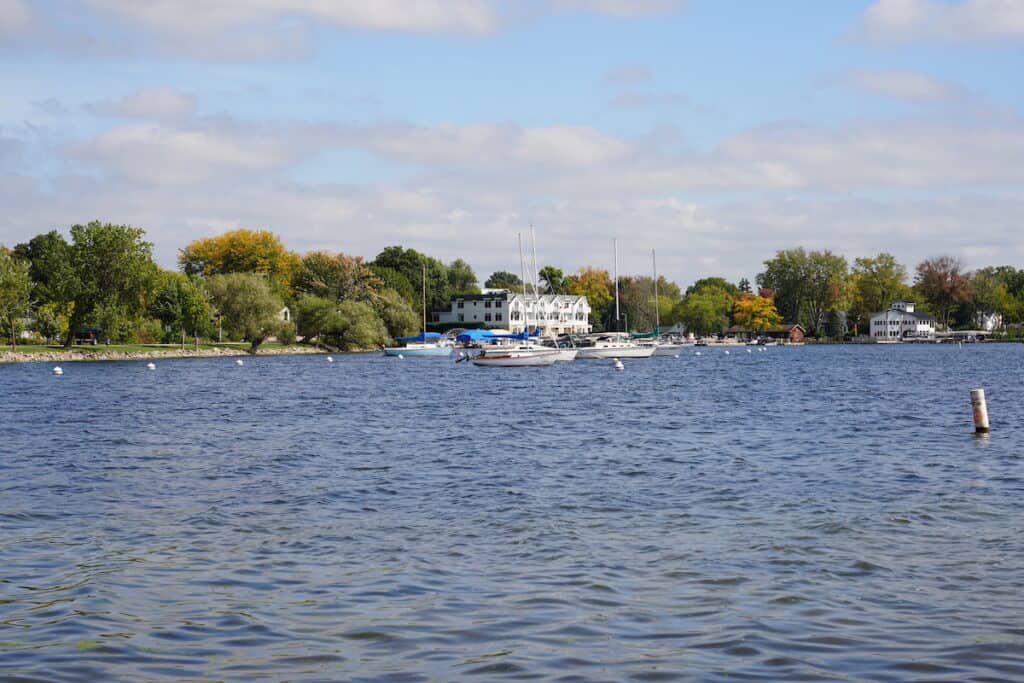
802,514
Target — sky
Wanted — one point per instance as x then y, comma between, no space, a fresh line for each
715,132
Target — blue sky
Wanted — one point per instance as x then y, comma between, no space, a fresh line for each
713,131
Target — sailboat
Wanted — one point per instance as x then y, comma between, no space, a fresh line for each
653,338
613,344
425,343
522,352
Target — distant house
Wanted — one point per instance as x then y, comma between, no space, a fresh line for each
901,321
792,334
551,314
285,314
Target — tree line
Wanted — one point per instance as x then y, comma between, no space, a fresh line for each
236,286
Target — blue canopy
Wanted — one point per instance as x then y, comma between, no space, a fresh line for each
422,336
475,335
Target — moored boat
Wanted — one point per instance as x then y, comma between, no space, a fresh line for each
613,345
519,355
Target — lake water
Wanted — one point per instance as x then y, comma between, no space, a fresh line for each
815,513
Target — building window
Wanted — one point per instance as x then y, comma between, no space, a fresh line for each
487,303
487,317
497,317
460,304
462,318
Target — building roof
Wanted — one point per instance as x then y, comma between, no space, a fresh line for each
913,314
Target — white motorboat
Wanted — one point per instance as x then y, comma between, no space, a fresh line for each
567,351
613,345
424,344
516,356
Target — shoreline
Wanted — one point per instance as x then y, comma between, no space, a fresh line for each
80,355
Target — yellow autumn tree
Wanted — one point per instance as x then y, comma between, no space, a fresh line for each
597,286
756,313
241,251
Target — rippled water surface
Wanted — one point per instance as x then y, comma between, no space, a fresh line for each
815,513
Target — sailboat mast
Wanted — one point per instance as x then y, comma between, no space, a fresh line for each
615,247
522,271
536,273
657,307
424,301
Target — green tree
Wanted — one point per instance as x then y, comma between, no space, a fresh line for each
461,278
395,312
719,283
335,276
943,284
49,256
989,296
502,279
110,273
248,306
182,306
552,279
15,292
744,286
410,264
705,311
828,280
787,275
874,284
346,325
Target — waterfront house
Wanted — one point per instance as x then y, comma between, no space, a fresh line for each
552,314
788,333
901,321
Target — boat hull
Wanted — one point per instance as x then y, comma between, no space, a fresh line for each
437,351
608,352
516,360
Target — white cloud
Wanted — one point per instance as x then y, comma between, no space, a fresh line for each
621,8
904,85
160,154
494,145
216,16
964,21
149,103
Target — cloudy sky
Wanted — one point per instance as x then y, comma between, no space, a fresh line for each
714,131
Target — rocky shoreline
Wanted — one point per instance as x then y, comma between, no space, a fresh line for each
75,355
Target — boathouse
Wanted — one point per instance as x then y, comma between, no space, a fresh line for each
901,321
552,314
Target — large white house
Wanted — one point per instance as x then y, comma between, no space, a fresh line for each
552,314
901,321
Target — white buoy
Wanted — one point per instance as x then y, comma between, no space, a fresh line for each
239,362
400,356
151,366
330,359
749,351
57,371
617,364
727,352
980,411
696,353
676,356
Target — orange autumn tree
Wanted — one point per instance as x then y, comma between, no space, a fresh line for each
756,313
241,251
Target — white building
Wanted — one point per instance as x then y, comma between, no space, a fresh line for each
552,314
901,322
